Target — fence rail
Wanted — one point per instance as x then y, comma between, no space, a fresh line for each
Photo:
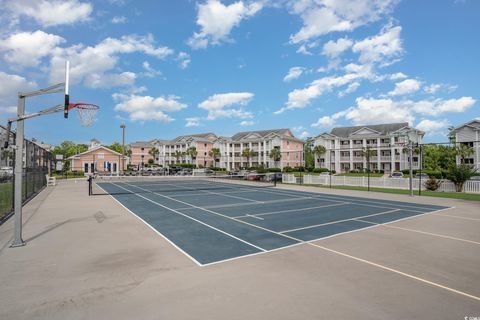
392,183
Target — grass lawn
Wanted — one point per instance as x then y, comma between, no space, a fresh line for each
362,174
452,195
6,198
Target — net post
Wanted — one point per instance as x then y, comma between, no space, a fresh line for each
67,89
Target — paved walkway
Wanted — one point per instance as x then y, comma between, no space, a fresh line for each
88,258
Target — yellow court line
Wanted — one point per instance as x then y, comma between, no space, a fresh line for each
398,272
458,217
423,232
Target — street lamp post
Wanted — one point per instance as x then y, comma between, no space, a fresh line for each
122,126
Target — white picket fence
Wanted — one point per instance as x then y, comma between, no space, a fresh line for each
393,183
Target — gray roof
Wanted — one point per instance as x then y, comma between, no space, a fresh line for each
147,144
384,129
262,133
196,137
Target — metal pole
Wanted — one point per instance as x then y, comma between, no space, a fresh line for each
368,168
410,153
17,240
421,167
330,166
123,146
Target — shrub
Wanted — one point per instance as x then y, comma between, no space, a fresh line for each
333,171
320,170
459,174
274,170
299,169
217,169
432,184
287,169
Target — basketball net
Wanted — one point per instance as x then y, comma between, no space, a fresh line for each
87,113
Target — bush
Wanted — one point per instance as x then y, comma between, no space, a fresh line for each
299,169
287,169
274,170
459,174
217,169
432,184
309,169
320,170
185,165
333,171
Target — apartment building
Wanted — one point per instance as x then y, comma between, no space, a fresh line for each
261,143
231,150
469,134
345,147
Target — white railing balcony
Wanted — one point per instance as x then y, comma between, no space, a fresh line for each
345,146
358,159
345,158
397,157
386,158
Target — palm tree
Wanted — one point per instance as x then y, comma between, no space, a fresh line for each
215,154
276,155
368,153
178,154
247,153
319,150
128,153
154,152
463,151
192,152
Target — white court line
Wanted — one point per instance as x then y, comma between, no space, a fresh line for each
337,221
227,195
155,230
253,216
332,251
356,199
457,217
184,194
292,210
388,225
196,220
398,272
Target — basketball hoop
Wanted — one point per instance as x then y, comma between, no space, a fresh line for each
86,112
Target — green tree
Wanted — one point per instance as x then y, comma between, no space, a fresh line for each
215,154
459,174
117,147
368,153
69,148
319,150
178,154
308,153
464,151
154,152
247,153
276,155
192,152
128,153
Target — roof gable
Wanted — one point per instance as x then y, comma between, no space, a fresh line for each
364,131
95,149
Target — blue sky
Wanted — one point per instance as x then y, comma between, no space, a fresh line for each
168,68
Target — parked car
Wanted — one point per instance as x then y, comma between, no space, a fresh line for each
396,174
274,176
253,176
6,171
422,176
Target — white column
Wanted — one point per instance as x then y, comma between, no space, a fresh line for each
265,152
378,154
392,154
250,160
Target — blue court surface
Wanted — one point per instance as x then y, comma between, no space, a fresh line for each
229,221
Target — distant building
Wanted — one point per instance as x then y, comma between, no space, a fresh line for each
231,148
98,159
344,146
469,134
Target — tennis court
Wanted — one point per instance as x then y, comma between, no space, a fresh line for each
215,219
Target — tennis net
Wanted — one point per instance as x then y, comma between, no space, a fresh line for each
164,184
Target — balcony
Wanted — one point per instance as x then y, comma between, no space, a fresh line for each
345,158
345,146
385,158
358,159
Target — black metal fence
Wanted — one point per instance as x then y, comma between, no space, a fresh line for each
35,168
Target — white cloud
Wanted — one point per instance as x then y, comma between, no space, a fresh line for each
246,123
51,12
25,49
11,85
372,110
119,20
98,62
432,127
149,71
184,60
301,132
397,76
111,80
352,87
145,108
433,88
322,17
219,105
293,73
381,48
333,49
192,122
9,109
407,86
217,20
